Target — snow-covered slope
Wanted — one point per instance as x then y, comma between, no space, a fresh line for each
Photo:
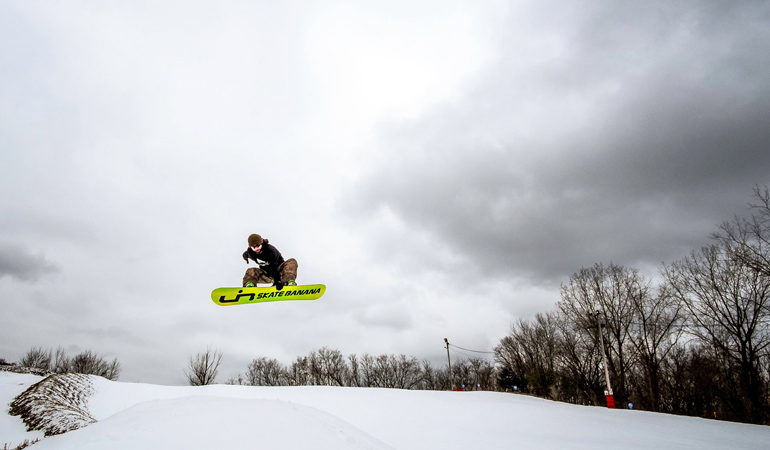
131,416
12,429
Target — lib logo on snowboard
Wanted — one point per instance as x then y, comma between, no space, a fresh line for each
266,295
239,296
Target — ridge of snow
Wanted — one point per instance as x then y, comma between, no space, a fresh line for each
245,417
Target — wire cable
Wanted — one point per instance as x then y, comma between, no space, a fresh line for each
473,351
468,355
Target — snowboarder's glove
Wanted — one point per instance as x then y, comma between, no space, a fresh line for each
278,285
246,258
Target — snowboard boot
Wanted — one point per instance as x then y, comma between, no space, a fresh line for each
249,285
290,283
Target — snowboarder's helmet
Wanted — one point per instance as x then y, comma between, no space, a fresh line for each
255,240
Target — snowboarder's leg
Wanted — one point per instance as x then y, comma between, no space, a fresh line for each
255,275
288,271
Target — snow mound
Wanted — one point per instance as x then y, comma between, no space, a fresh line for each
56,404
215,422
132,416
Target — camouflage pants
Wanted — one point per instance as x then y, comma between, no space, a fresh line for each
256,275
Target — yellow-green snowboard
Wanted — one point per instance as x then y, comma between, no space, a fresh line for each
227,296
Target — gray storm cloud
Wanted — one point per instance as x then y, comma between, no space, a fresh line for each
619,134
16,261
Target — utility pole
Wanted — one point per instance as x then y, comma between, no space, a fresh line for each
449,360
608,394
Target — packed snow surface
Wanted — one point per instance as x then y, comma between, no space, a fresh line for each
131,416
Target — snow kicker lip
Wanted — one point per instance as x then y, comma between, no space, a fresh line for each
228,296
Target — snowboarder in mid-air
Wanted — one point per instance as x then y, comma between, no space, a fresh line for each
272,268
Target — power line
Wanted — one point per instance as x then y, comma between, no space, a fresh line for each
473,351
469,355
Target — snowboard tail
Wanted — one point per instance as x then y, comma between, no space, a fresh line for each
227,296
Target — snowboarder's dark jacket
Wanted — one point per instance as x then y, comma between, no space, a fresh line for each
269,259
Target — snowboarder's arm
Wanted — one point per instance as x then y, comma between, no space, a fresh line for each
272,272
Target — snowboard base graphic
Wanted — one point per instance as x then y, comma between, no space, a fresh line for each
227,296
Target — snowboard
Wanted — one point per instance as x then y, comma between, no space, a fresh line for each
227,296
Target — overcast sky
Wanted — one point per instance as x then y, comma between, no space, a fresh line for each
442,166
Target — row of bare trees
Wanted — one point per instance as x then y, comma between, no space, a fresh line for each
696,341
86,362
329,367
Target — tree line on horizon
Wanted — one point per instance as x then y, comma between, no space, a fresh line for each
329,367
86,362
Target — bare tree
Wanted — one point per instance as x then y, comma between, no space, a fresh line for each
37,358
693,381
405,371
328,367
369,374
266,372
579,361
511,357
483,373
299,372
113,369
429,379
389,371
655,331
748,240
354,375
530,351
86,362
444,380
610,292
89,363
728,302
203,368
384,372
61,363
462,373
